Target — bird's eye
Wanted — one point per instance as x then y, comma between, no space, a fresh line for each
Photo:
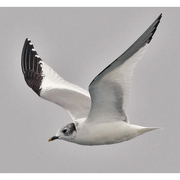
64,131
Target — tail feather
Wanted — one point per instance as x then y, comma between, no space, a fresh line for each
147,129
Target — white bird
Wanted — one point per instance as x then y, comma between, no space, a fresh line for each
98,118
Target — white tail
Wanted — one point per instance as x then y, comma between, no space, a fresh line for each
146,129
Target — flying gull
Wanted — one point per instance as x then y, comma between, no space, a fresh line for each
99,115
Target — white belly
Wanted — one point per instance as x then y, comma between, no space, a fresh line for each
106,133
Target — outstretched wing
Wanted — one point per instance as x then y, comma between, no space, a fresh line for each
110,89
49,85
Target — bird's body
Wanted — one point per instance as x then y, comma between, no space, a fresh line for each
99,115
106,133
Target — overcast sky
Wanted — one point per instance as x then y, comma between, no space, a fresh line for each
79,43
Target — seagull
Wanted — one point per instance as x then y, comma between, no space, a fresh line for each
99,116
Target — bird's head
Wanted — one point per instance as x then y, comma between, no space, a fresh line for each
66,133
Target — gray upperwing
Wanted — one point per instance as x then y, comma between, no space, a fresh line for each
145,38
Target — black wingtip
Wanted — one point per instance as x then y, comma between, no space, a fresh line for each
154,27
144,39
159,17
31,66
27,40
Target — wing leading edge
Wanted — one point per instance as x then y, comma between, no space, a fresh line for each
110,89
49,85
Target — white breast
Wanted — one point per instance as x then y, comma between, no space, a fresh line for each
105,133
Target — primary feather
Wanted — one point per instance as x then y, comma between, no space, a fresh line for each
110,89
99,118
50,86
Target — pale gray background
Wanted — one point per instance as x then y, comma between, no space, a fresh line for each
79,43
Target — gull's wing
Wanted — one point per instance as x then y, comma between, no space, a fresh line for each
50,86
110,89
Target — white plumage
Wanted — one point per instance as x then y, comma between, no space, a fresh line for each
71,97
98,115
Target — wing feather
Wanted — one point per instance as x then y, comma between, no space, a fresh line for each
50,86
111,88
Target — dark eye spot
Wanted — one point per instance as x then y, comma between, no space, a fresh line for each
64,131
